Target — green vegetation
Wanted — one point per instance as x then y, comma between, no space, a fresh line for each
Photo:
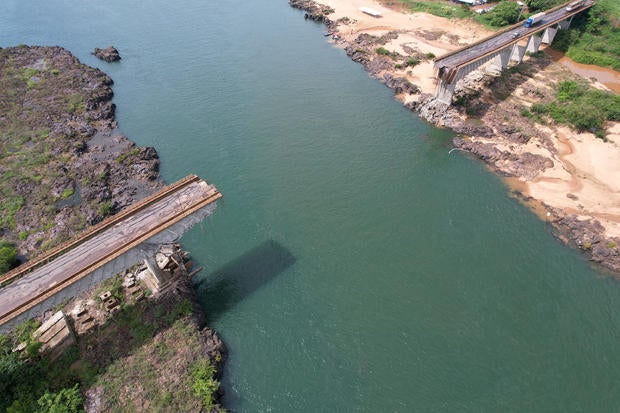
583,108
204,384
383,51
412,62
30,382
133,152
594,36
440,8
9,206
8,256
505,13
75,104
65,401
130,351
536,6
66,193
106,208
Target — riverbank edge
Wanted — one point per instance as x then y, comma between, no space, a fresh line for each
585,235
92,145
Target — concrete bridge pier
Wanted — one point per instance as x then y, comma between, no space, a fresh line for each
518,52
549,35
502,58
565,24
533,44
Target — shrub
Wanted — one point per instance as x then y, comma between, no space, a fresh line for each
583,108
382,51
413,61
105,209
8,256
65,401
204,383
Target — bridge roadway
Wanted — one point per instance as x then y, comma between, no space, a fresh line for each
36,281
449,64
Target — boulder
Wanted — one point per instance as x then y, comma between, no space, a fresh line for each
109,54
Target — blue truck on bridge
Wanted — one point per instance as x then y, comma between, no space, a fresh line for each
534,19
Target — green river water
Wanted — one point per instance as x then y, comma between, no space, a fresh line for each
353,264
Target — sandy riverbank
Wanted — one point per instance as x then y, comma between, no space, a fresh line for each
571,179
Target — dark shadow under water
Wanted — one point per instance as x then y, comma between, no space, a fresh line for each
238,279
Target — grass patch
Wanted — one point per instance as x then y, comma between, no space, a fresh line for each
66,193
581,107
106,208
439,8
123,157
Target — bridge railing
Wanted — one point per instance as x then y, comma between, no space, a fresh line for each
510,28
212,195
93,231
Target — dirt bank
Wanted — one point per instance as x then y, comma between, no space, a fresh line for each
568,178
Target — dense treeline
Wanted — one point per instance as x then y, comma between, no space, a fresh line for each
594,37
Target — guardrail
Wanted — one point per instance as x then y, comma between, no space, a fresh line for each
213,195
88,234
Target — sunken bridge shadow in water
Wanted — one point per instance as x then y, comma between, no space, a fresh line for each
238,279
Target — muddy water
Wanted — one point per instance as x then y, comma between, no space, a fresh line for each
606,76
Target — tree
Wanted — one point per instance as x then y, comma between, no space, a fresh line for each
506,12
542,5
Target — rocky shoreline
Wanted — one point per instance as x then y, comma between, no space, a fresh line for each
66,167
497,150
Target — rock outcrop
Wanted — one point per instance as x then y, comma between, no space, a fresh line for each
67,166
109,54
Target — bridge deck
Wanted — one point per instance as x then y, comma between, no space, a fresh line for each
453,60
114,237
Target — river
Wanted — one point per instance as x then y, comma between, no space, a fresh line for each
353,264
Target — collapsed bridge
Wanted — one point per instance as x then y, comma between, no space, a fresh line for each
110,247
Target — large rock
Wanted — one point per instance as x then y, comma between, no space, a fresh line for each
109,54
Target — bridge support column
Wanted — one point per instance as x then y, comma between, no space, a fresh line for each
565,24
502,58
517,53
155,278
549,35
445,91
533,44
